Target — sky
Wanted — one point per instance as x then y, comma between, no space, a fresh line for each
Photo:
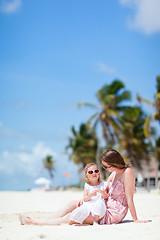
55,54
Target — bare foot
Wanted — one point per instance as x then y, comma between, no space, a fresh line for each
25,220
96,218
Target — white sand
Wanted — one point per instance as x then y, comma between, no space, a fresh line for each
40,204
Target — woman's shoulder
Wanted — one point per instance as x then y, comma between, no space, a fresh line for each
103,185
112,175
128,173
111,178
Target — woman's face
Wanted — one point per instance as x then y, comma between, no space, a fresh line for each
108,167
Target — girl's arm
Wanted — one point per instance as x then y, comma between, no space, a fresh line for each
87,197
129,184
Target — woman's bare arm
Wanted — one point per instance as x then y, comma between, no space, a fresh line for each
129,183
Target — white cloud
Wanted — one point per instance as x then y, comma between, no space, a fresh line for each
146,16
7,6
102,67
22,160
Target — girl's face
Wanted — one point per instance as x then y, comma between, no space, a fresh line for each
93,174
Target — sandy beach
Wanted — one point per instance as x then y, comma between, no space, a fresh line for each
41,204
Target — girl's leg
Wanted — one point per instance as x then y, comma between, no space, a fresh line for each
89,220
52,221
96,219
73,222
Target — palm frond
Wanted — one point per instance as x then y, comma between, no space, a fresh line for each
126,95
88,105
74,131
147,127
92,117
158,83
115,87
140,99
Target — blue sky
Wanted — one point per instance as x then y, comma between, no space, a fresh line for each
55,54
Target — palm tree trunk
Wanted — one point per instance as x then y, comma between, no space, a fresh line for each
148,182
98,151
156,175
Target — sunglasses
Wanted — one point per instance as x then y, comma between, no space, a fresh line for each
91,172
106,167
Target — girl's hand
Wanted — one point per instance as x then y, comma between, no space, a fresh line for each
104,194
88,197
94,193
99,190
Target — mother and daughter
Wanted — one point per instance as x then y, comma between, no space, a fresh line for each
104,203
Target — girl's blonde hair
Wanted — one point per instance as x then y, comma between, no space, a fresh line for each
86,171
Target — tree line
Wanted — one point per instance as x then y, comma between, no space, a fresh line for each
117,124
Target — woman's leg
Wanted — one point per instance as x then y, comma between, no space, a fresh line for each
57,218
52,221
65,210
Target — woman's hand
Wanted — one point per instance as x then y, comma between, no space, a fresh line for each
80,203
141,221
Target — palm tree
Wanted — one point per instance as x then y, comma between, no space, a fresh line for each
111,98
153,117
132,138
48,163
155,105
157,154
83,145
157,100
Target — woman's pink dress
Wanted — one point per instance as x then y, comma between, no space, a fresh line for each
116,204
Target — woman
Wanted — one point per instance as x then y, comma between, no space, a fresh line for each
121,188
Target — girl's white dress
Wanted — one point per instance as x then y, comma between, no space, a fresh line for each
96,206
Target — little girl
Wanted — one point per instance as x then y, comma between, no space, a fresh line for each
93,200
93,203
